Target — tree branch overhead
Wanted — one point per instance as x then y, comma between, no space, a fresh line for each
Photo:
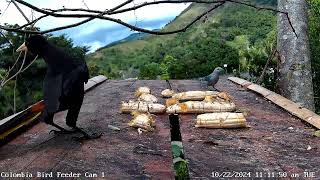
90,15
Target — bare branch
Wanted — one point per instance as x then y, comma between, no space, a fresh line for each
132,27
5,37
29,64
17,73
6,78
5,10
85,4
63,27
25,17
138,6
96,14
10,69
168,2
14,95
33,21
271,56
120,6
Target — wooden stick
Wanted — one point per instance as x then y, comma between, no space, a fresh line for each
14,2
271,56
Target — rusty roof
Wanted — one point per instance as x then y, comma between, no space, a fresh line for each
276,142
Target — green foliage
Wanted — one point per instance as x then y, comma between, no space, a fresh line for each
6,104
166,66
196,52
314,35
66,43
94,69
150,71
181,168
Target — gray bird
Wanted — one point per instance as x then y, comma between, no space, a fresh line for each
212,78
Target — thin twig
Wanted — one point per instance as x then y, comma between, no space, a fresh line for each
13,1
85,4
10,68
5,37
14,95
5,10
33,21
21,67
132,27
29,64
271,56
117,10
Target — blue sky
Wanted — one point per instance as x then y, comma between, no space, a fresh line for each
105,35
96,33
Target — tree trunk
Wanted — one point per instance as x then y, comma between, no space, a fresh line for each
295,75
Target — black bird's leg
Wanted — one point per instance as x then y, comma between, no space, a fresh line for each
73,113
62,130
49,120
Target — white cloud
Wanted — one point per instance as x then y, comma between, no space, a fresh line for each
12,15
96,33
94,45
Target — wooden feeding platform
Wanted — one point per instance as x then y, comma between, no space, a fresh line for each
275,142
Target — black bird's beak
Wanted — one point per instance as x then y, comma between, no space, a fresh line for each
23,47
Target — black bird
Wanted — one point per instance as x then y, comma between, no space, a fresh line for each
63,86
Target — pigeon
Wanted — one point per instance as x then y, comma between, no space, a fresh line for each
213,78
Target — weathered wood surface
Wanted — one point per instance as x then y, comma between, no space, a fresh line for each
21,120
120,154
290,106
276,141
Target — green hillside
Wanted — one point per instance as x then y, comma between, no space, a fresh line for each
217,39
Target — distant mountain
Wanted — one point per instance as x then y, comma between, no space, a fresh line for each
125,58
131,37
190,12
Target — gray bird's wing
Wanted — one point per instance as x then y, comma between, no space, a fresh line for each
214,78
206,78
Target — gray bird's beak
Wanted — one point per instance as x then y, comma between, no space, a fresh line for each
23,47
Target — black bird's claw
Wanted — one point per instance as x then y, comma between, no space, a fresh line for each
61,132
61,129
55,132
88,137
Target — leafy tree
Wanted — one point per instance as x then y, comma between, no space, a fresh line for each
314,35
150,71
167,62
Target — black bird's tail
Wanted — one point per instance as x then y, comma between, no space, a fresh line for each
85,73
